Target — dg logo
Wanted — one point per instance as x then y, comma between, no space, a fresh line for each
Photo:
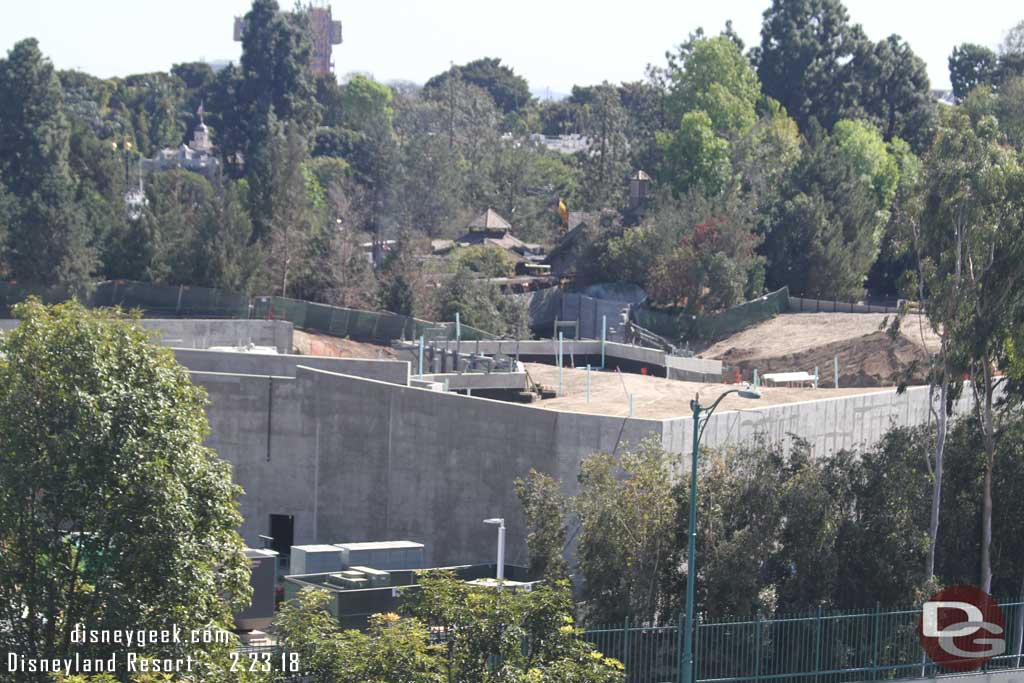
961,628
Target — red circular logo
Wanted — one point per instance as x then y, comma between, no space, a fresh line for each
961,628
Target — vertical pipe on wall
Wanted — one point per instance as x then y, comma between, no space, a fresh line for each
604,331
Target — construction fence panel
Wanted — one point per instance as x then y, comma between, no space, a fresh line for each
12,293
678,325
799,304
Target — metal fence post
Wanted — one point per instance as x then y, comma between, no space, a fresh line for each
625,646
878,628
421,356
757,648
817,645
679,646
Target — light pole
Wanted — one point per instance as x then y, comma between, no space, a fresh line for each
698,431
500,521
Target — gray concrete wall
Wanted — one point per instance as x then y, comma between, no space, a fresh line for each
391,371
202,334
829,425
356,459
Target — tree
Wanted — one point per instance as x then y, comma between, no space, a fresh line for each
696,157
509,91
883,542
625,514
804,58
392,650
499,635
861,144
970,261
224,258
47,240
710,268
713,76
605,163
971,65
484,261
825,232
274,89
402,288
545,508
1009,110
113,514
481,304
895,92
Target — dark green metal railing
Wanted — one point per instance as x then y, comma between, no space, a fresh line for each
821,647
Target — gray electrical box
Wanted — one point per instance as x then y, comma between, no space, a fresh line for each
315,559
263,579
385,555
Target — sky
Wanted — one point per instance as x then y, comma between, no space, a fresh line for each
553,43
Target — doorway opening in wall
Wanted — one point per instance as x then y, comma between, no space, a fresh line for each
282,530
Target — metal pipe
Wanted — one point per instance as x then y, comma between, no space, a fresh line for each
561,385
421,355
604,330
501,551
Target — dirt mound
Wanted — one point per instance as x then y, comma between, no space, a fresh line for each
311,344
868,357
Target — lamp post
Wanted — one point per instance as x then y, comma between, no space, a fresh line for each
500,521
689,674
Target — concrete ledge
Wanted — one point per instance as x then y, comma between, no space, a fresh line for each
391,371
480,380
204,333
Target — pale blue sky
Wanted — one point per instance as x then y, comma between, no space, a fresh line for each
553,43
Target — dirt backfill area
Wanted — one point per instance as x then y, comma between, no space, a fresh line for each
655,397
868,356
311,344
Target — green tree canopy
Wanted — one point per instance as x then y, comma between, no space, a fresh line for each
804,60
509,90
113,514
713,76
971,65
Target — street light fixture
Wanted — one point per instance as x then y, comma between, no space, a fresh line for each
698,431
500,521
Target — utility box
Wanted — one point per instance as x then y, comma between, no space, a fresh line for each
315,559
384,555
263,579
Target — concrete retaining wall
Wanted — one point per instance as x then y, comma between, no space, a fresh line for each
202,334
830,425
356,459
391,371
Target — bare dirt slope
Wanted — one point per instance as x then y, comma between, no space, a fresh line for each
312,344
656,397
802,341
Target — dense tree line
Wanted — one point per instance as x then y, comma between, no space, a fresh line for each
790,163
780,529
